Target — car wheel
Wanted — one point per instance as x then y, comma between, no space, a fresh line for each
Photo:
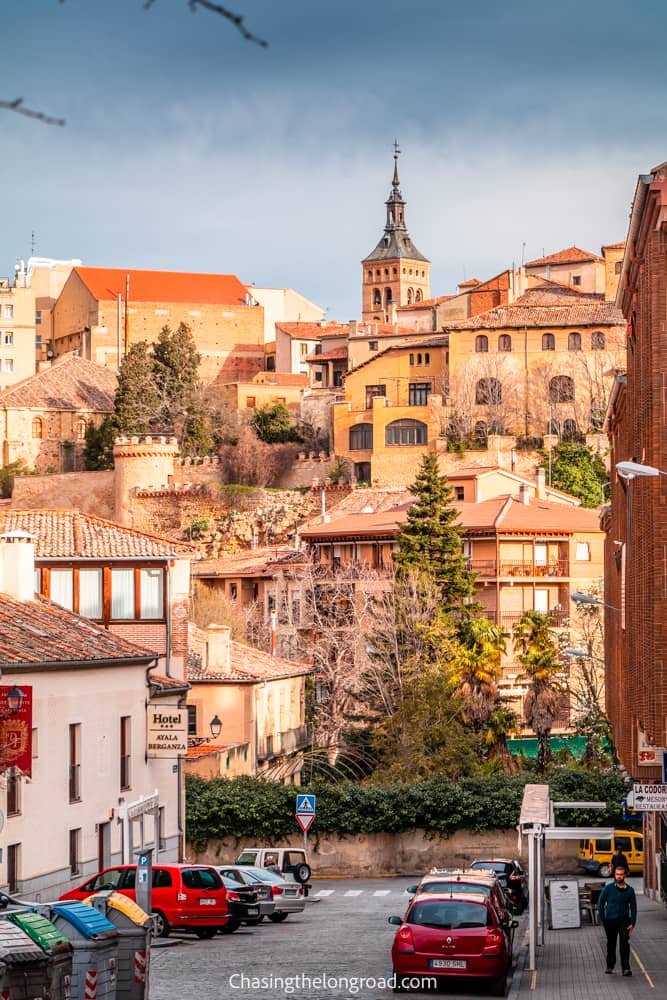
604,871
230,927
277,918
161,925
499,985
301,873
206,933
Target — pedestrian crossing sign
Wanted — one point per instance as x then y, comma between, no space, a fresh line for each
306,804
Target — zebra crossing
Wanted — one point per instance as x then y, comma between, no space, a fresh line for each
323,893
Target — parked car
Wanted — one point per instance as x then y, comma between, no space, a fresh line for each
466,880
595,853
243,905
288,896
511,876
453,934
184,897
286,860
234,875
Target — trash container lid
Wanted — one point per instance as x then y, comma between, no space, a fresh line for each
123,904
41,931
16,947
87,920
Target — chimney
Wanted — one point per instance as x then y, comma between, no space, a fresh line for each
541,477
353,327
324,517
17,565
524,494
218,649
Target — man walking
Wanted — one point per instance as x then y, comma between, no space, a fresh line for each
617,907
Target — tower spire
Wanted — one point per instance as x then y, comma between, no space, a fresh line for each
397,153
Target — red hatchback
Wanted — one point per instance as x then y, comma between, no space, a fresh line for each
449,934
185,897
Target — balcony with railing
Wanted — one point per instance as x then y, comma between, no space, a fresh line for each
490,568
281,744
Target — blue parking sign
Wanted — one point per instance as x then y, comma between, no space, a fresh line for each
306,804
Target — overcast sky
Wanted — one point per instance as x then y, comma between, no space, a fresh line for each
523,128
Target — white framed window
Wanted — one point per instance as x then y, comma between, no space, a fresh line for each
8,311
152,593
8,365
62,588
583,553
90,593
122,593
8,338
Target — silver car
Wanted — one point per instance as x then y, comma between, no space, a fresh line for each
266,904
287,895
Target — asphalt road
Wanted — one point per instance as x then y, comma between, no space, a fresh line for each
337,949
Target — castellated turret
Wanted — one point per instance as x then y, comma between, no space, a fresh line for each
140,463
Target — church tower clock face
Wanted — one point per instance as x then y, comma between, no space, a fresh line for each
395,273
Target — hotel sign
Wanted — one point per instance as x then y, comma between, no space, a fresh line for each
16,732
166,731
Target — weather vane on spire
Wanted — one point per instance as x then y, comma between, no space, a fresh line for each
397,149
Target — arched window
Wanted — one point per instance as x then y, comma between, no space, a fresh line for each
418,295
597,340
377,274
427,358
394,272
569,429
574,341
419,359
561,389
387,295
37,428
548,342
481,344
406,432
369,275
377,297
410,293
504,342
361,436
386,272
80,430
488,391
412,359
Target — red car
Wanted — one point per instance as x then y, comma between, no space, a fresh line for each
185,897
458,934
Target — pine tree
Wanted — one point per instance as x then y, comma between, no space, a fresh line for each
137,404
431,541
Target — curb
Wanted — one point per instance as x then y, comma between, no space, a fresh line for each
521,962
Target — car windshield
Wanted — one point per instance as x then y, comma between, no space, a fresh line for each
262,875
247,858
451,914
494,866
455,887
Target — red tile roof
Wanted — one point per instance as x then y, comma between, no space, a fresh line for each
256,562
40,633
545,307
572,255
335,354
313,331
106,283
168,683
71,383
470,283
70,534
205,750
248,665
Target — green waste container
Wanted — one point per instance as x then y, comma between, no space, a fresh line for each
23,972
95,943
134,927
55,948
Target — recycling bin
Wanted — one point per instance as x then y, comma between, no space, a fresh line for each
23,965
55,947
94,941
134,927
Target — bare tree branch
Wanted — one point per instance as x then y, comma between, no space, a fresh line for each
17,106
217,8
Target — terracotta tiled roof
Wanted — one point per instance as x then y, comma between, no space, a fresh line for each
168,683
470,283
72,383
426,302
335,354
249,664
205,750
416,340
70,534
253,562
39,632
614,246
501,514
571,255
546,307
313,331
106,283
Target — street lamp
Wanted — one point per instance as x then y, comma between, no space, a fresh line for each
15,699
587,599
215,726
633,470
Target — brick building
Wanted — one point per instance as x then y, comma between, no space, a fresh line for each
102,311
636,522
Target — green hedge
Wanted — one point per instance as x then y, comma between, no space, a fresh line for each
249,808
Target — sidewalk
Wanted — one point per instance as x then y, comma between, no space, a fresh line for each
571,963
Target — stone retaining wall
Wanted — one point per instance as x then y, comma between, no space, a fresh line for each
396,854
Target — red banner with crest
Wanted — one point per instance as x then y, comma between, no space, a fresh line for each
16,729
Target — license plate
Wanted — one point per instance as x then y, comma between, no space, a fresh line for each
290,892
253,911
207,902
447,963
